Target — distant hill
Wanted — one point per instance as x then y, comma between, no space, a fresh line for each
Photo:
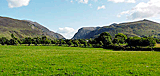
138,28
24,28
84,31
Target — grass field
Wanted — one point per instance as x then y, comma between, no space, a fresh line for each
157,46
56,60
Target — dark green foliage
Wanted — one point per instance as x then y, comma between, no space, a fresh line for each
45,40
3,40
57,42
12,42
62,42
12,36
76,43
157,40
104,39
133,41
107,41
85,44
141,42
152,42
28,41
81,41
101,44
36,41
53,41
102,36
116,41
120,38
69,43
19,41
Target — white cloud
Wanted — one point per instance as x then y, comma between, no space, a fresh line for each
17,3
71,1
101,7
131,1
122,13
67,32
117,1
143,10
83,1
120,1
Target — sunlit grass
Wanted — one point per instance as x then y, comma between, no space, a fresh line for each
56,60
157,46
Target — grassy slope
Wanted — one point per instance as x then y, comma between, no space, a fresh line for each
137,28
55,60
22,29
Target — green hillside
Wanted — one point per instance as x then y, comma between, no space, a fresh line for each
24,28
138,28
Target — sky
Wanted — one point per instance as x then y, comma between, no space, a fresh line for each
67,16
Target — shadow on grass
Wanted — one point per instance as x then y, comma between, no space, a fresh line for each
138,49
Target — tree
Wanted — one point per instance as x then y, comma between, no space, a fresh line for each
134,41
19,41
152,42
141,42
62,42
76,43
13,42
116,41
28,41
69,43
57,42
45,40
48,41
12,36
53,41
106,38
3,40
107,41
101,44
36,41
85,43
121,37
102,36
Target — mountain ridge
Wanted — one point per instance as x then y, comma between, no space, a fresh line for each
136,28
25,28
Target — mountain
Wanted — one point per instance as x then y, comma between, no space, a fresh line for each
24,28
137,28
83,32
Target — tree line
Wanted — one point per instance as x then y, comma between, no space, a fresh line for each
104,40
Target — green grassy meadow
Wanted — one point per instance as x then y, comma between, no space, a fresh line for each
60,61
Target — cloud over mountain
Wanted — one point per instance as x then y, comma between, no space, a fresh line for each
67,32
17,3
143,10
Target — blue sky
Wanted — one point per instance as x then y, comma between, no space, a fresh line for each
67,16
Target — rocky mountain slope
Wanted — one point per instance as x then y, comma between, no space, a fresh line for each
137,28
24,28
83,32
